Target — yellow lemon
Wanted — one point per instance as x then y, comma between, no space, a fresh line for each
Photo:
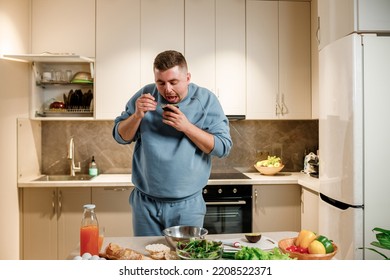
316,247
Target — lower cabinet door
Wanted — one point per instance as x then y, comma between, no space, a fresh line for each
70,203
309,209
39,226
113,210
276,208
51,221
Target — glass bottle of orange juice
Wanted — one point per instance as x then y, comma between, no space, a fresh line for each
89,231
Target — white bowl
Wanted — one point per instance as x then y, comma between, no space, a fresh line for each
269,170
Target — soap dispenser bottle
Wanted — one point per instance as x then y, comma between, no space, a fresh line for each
93,169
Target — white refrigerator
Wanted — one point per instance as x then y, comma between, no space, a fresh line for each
354,139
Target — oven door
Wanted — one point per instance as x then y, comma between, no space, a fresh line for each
228,216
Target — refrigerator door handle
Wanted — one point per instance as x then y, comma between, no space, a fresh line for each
338,204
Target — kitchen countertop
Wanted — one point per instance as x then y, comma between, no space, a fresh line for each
124,180
138,243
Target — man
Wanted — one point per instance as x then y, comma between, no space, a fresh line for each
177,127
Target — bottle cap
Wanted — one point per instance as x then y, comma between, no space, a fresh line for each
89,206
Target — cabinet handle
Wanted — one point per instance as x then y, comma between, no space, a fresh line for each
318,34
238,202
59,203
53,202
277,105
302,203
256,198
283,109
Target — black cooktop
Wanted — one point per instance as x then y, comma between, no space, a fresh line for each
227,175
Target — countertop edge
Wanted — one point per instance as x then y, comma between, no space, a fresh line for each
124,181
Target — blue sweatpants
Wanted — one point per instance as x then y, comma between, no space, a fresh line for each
151,216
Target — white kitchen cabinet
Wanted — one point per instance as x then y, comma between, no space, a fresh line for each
314,60
118,55
162,28
200,53
309,209
276,208
63,26
340,18
215,49
58,88
51,221
278,60
129,35
113,210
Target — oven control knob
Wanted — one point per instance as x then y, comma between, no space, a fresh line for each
219,190
234,190
205,191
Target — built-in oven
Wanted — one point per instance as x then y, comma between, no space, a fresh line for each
229,208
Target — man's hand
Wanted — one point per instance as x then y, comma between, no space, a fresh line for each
202,139
174,117
144,103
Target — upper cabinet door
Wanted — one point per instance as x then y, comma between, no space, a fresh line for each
230,56
63,26
215,49
340,18
374,15
200,42
294,60
162,28
117,55
262,43
278,60
336,19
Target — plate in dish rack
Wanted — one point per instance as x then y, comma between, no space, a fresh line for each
265,243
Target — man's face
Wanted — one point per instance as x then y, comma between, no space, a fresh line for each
172,83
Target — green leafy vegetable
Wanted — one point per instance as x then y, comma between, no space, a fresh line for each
200,249
253,253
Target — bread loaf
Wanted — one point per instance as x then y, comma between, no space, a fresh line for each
116,252
157,251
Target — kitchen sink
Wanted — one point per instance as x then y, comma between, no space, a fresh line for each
80,177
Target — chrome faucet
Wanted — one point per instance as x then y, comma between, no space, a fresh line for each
73,167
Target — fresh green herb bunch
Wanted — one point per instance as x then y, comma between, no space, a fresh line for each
383,241
200,249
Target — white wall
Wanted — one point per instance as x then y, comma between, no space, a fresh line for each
14,81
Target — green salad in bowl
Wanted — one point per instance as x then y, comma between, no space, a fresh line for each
199,249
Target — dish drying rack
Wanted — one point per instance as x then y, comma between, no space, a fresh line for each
68,112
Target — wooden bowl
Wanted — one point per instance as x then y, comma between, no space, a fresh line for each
285,243
268,170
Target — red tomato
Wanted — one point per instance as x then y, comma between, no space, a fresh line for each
303,250
292,248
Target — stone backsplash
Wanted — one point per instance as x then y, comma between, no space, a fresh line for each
252,141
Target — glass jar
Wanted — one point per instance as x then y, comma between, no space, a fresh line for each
89,231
